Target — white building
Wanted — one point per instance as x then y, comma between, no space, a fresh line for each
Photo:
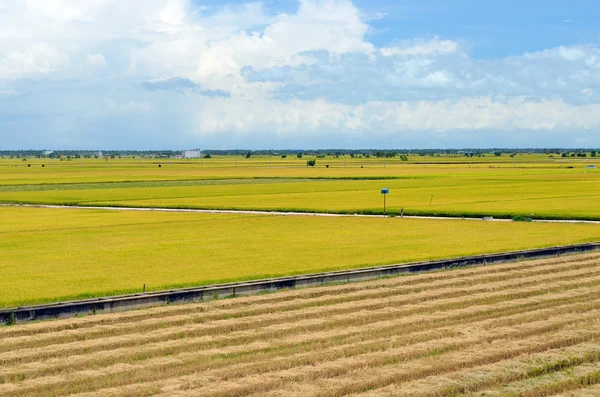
191,154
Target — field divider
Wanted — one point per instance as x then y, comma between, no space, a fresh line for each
182,295
411,214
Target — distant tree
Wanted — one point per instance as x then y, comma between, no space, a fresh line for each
498,154
311,163
593,154
248,155
283,156
299,155
207,156
403,157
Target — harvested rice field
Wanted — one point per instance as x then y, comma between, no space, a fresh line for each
520,329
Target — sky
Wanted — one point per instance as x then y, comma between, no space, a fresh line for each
299,74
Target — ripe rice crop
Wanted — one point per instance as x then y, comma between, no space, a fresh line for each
544,191
59,254
520,329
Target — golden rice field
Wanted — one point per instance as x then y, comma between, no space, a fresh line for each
44,171
58,254
523,329
536,189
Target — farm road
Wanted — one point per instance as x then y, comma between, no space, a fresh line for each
281,213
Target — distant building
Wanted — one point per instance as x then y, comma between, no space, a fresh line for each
191,154
48,152
99,153
592,167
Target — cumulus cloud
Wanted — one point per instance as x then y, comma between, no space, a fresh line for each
473,113
355,78
180,71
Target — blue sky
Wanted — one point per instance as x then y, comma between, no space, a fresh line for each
299,74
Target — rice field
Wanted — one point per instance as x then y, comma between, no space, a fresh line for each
520,329
537,191
59,254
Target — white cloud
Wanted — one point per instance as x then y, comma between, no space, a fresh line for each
587,91
329,25
376,16
237,69
474,113
36,59
564,53
431,47
95,60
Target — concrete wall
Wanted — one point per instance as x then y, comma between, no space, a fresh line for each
135,301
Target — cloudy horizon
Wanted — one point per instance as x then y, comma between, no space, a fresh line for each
171,74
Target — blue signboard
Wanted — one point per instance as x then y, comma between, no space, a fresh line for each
385,191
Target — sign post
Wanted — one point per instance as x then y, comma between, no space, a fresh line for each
385,192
